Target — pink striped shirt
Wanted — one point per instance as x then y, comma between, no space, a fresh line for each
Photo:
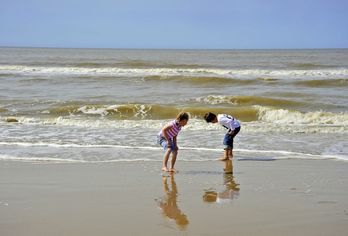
173,131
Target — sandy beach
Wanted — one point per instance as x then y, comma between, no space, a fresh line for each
284,197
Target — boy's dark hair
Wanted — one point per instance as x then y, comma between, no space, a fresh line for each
209,117
183,116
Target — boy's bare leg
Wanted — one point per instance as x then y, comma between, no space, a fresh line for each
174,155
226,155
165,159
230,154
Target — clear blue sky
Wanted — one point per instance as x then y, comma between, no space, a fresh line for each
231,24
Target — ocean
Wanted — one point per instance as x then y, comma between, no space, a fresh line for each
107,105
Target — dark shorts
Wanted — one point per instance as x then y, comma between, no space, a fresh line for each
228,139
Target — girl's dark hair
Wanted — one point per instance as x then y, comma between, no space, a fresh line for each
209,117
182,116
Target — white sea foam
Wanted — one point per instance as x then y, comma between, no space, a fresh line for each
216,99
73,145
38,159
227,73
66,160
93,110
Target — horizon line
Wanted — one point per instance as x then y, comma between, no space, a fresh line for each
135,48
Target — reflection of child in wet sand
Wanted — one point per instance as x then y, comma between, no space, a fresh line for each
230,123
228,168
231,187
167,139
169,204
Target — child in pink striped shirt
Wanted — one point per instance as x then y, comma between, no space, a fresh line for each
167,139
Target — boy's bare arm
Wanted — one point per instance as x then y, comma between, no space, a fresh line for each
231,132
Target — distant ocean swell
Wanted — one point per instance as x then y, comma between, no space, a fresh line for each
253,79
199,80
341,73
157,64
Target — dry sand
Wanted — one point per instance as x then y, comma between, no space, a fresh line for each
284,197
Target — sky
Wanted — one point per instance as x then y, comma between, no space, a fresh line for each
175,24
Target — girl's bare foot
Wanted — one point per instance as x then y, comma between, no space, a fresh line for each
165,169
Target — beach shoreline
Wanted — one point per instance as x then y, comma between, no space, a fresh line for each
287,197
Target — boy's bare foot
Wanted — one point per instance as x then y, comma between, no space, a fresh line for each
224,159
173,170
165,169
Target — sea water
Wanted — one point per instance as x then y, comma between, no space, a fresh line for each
107,105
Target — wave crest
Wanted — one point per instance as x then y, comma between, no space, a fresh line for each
150,111
282,116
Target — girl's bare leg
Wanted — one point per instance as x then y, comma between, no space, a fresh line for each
174,155
165,159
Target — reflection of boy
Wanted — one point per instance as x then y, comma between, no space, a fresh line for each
231,191
169,204
228,168
231,187
230,123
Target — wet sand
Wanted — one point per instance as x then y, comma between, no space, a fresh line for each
284,197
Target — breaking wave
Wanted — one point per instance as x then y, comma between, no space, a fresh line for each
283,116
149,111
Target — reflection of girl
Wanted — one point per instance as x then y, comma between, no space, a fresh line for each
169,204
